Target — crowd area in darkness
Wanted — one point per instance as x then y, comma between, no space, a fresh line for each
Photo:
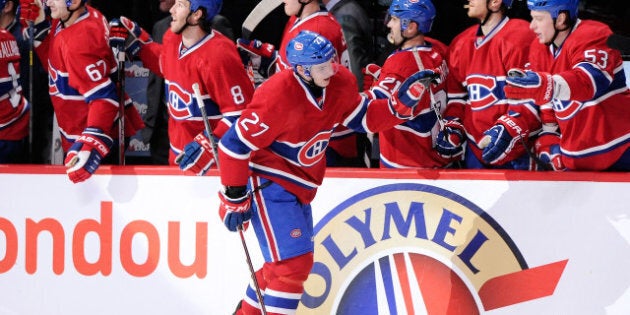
453,19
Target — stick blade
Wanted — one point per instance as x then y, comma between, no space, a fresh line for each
262,9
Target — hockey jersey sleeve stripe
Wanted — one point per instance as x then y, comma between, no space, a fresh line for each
615,143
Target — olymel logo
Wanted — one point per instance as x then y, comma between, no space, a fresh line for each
418,249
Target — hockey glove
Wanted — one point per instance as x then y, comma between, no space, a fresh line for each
537,86
235,207
197,156
450,140
404,103
547,148
502,142
138,38
261,55
371,72
117,35
85,155
32,12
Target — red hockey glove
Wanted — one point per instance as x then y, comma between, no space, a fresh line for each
547,149
85,155
371,72
502,142
261,55
117,35
536,86
235,207
31,11
404,102
197,156
138,38
450,140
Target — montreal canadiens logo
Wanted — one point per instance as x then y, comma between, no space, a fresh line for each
314,150
481,91
298,46
418,249
179,102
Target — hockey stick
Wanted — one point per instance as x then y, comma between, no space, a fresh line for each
262,9
121,103
206,122
31,65
213,145
427,85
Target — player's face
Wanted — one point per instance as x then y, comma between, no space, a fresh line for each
542,26
395,31
291,7
477,9
322,72
58,9
179,12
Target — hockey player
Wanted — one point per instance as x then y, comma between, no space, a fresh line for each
281,138
478,61
303,15
192,52
14,108
307,15
579,84
85,99
411,144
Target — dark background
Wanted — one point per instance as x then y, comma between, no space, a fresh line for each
451,16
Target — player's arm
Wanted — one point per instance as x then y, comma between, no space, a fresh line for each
407,102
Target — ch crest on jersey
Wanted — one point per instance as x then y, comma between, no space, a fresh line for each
314,149
566,109
58,84
180,102
482,91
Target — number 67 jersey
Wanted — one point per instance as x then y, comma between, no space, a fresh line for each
80,66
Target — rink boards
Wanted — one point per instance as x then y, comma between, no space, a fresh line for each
148,240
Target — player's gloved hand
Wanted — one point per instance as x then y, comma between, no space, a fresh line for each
261,55
450,140
404,102
85,155
501,142
197,156
235,207
32,12
138,38
537,86
117,35
547,149
371,72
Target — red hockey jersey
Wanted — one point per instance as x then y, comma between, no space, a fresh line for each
411,144
478,66
215,64
594,122
14,109
284,132
80,65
